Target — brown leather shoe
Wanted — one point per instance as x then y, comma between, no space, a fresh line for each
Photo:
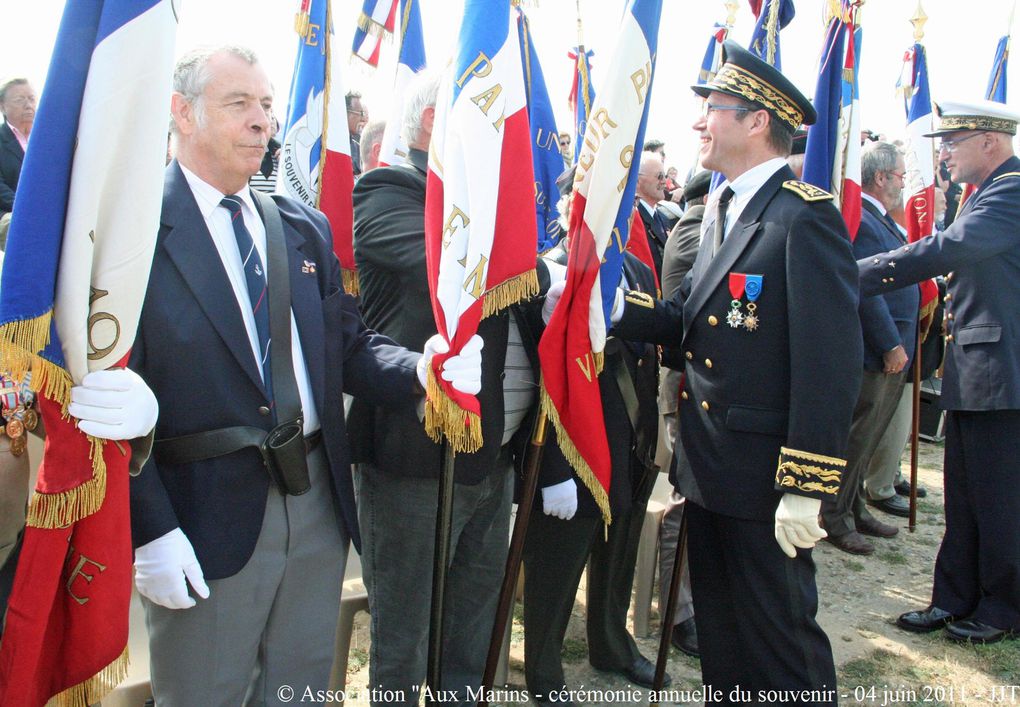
852,542
876,528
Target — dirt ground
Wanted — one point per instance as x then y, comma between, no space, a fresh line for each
860,597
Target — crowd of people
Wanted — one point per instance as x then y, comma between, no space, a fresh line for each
758,354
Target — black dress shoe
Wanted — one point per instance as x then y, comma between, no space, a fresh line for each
894,505
925,621
976,631
903,489
641,672
685,637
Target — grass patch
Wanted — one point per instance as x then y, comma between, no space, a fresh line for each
574,650
882,667
357,660
893,557
854,566
1000,660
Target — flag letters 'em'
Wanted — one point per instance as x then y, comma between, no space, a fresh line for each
77,263
479,252
315,158
572,346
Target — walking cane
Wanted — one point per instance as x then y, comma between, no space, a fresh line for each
513,561
915,430
671,601
444,517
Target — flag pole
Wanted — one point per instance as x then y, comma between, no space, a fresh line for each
917,21
441,557
671,602
532,462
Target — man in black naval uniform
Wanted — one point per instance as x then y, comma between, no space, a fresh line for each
766,324
976,593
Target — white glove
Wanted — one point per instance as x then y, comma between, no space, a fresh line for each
463,371
560,500
616,314
114,404
797,523
552,296
161,567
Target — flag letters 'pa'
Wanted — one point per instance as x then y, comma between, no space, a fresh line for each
315,159
919,157
376,19
832,158
393,150
572,346
480,252
545,144
77,263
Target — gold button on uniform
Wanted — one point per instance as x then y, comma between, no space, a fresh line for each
949,338
708,362
704,405
264,411
689,356
684,395
949,296
712,320
950,316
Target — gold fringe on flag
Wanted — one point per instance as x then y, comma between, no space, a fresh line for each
352,286
574,457
19,343
463,429
925,317
367,24
96,687
516,289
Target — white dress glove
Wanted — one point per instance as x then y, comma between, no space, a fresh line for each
161,567
114,404
560,500
797,523
552,296
463,371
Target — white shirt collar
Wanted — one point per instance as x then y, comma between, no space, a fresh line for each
209,197
875,202
752,180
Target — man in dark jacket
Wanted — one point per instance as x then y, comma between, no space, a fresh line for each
17,103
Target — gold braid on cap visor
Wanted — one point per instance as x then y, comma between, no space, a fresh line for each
732,79
978,122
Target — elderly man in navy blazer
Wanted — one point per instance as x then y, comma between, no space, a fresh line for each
976,593
264,556
889,326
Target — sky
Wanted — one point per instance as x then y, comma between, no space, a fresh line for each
960,38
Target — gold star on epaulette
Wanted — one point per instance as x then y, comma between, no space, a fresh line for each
807,192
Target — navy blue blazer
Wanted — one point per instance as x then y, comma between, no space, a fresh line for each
889,319
980,256
11,157
193,351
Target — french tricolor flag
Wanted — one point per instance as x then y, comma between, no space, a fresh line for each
321,178
479,233
572,346
377,17
410,61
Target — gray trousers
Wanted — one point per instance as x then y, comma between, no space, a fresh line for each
876,404
884,470
397,516
268,629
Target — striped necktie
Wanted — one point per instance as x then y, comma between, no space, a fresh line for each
255,277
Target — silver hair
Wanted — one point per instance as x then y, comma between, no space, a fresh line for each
8,84
191,75
371,134
877,157
421,94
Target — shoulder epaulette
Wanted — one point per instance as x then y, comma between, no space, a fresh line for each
807,192
1007,174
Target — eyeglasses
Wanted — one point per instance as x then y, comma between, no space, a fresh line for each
360,113
660,175
901,175
710,107
951,146
21,101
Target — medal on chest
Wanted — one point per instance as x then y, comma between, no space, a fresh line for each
744,286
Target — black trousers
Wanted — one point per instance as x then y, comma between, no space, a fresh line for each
756,612
555,554
977,572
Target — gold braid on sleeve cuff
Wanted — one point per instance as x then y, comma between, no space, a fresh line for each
808,474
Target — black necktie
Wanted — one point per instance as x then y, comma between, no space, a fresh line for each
255,277
720,219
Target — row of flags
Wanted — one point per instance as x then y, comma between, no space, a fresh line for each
77,261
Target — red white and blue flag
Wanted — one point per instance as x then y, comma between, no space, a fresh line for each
919,157
572,346
713,54
76,269
410,61
773,16
377,18
582,94
996,90
315,158
479,246
832,158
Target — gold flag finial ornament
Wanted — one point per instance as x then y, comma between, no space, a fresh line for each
731,12
918,21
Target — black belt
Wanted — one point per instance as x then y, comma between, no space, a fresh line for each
218,443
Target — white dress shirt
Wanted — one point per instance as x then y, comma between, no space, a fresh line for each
747,185
218,221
